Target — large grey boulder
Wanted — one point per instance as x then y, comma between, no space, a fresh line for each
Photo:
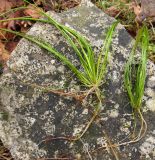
35,115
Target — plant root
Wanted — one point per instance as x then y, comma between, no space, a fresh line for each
113,149
67,138
80,97
140,135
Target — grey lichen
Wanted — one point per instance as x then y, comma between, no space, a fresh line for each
35,114
148,147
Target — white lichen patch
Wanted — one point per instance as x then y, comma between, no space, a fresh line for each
86,147
36,94
24,149
118,91
125,126
52,61
49,115
61,69
85,111
20,62
60,105
28,122
102,141
116,106
68,117
148,147
36,30
113,113
48,126
150,104
48,69
6,97
45,98
78,129
78,156
98,43
151,82
104,119
150,92
115,76
87,3
150,68
10,131
75,14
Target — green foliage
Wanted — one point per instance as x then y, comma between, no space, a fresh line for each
135,84
93,66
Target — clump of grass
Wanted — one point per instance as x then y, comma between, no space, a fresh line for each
136,90
135,84
94,66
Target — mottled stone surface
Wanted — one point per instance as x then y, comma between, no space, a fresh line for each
34,115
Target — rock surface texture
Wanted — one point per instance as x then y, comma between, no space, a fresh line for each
34,115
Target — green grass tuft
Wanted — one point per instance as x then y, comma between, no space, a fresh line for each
135,84
93,66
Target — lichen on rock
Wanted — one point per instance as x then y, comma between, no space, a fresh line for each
36,116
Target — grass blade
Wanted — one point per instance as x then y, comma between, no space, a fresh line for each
136,90
48,47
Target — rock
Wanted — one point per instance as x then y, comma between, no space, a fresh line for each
35,115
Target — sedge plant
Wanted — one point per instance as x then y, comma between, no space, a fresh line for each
135,84
94,66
